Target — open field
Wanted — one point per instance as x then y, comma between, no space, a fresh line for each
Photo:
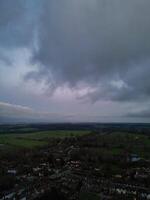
36,139
111,144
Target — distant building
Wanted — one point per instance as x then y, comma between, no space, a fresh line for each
12,171
133,158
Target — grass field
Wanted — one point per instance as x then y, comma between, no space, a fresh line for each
36,139
115,143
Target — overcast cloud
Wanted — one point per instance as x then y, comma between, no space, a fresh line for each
93,52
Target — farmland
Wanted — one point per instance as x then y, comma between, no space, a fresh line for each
36,139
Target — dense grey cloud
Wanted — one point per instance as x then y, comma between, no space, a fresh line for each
16,23
133,85
140,114
96,42
97,50
101,43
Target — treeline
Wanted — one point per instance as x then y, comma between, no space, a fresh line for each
95,127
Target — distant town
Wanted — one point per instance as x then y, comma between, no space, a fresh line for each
90,163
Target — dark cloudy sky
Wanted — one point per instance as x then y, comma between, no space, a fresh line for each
75,60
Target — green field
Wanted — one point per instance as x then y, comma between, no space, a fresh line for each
36,139
109,144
